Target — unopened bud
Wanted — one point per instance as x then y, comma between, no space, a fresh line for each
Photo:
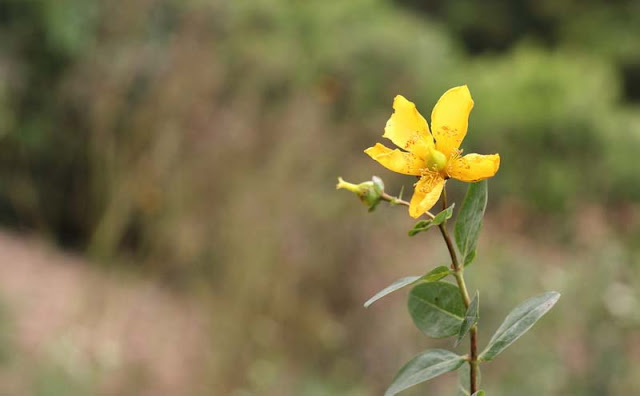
369,192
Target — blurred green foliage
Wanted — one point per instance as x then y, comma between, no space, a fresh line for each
201,140
90,91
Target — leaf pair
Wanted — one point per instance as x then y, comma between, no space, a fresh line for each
432,363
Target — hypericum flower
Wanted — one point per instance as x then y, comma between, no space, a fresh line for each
434,157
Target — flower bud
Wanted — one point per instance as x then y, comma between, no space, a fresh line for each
369,192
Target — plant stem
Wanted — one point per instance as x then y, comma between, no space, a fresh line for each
397,201
458,271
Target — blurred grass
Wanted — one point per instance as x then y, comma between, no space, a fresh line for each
199,142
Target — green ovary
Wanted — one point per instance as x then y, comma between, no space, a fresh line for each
436,160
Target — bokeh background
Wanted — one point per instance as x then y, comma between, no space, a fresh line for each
169,219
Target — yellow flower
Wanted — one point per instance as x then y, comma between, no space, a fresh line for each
434,157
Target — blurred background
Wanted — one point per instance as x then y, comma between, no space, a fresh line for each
169,219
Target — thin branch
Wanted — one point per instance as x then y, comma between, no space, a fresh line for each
397,201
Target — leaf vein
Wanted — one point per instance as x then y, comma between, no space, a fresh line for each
438,308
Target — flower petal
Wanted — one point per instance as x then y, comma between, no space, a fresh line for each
396,160
407,128
474,167
426,194
450,119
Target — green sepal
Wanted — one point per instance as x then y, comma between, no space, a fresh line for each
469,221
518,322
425,366
424,225
470,318
436,308
373,197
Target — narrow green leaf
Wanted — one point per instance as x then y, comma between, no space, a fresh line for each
437,273
444,215
434,275
398,284
469,220
420,226
518,322
425,366
424,225
416,231
479,393
437,308
464,379
470,318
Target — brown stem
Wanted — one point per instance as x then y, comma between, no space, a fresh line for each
473,361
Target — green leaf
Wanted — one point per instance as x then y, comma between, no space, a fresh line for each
434,275
424,225
479,393
470,318
464,379
469,220
444,215
437,273
437,308
398,284
425,366
518,322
